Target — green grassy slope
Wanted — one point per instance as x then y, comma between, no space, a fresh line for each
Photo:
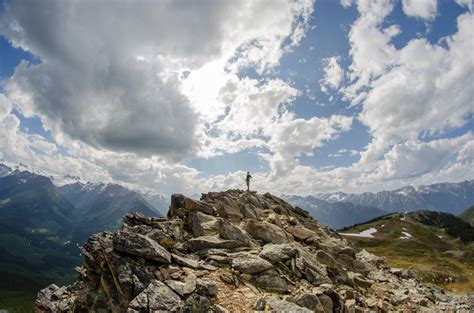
35,240
431,252
468,215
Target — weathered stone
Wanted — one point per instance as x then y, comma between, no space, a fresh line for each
300,232
161,237
210,242
336,272
181,206
265,232
183,288
250,263
347,251
309,301
350,306
185,261
345,261
308,263
141,246
378,276
278,253
196,304
219,309
228,231
364,283
207,289
276,305
45,301
229,211
157,296
253,255
403,273
271,281
202,224
326,303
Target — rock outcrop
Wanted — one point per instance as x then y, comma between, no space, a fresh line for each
235,251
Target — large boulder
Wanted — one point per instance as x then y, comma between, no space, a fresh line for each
140,245
202,224
210,242
181,206
271,281
250,264
156,297
278,253
266,232
229,231
300,232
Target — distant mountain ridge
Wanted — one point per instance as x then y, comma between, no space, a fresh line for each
42,225
101,206
335,214
36,225
333,210
445,197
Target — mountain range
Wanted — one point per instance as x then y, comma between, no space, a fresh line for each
341,209
42,226
101,206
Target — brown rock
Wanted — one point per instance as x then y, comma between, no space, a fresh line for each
265,232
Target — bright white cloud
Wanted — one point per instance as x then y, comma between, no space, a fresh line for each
426,95
465,3
253,106
102,59
126,100
297,137
424,9
371,49
333,74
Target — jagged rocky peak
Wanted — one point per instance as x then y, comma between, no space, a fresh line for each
234,251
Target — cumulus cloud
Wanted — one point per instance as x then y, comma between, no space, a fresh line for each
407,101
333,74
465,3
424,96
296,137
370,46
424,9
253,106
97,58
126,99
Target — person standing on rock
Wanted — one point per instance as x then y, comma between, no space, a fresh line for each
247,180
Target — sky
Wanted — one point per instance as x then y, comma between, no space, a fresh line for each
187,96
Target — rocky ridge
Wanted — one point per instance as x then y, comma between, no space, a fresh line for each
235,251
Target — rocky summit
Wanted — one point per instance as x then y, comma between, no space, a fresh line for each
236,251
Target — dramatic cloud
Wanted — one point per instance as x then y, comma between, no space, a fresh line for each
136,92
424,96
424,9
113,79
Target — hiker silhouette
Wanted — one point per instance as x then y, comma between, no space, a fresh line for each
247,180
